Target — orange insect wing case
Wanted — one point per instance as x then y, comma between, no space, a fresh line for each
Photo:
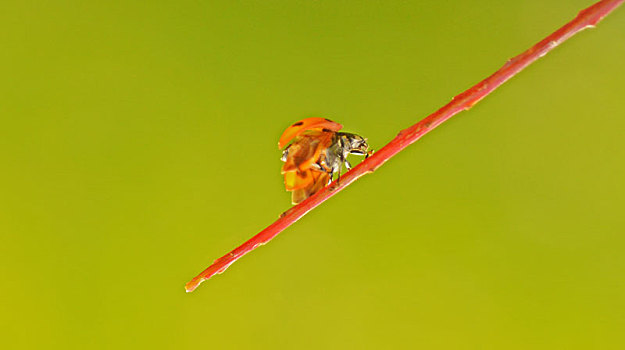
320,179
306,150
319,182
324,140
306,124
294,180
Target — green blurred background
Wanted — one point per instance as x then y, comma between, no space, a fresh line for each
138,144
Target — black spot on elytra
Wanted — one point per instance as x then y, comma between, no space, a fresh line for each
298,124
326,130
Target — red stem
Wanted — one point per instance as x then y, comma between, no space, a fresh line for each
585,19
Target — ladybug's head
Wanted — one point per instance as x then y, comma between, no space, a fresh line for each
354,144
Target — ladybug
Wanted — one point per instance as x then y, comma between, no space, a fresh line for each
317,151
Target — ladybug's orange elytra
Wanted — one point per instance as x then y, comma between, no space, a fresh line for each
306,124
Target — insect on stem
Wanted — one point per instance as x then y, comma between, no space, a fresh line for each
585,19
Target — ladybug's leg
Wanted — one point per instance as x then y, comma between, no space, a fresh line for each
341,161
322,165
285,153
347,165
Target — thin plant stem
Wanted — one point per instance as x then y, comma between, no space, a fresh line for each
586,18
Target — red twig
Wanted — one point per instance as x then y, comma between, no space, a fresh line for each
585,19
